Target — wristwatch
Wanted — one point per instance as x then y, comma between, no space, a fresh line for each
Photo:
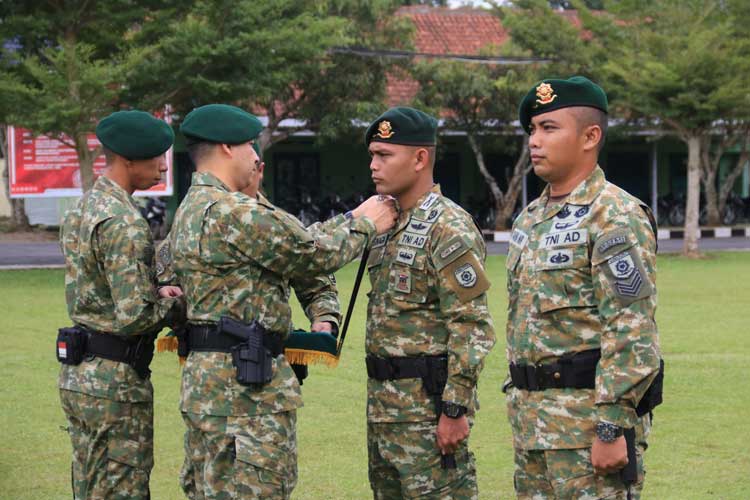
453,410
349,215
608,433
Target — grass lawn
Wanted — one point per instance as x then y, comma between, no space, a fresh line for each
700,446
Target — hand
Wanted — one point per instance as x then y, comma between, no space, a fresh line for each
322,326
169,291
609,457
450,433
381,210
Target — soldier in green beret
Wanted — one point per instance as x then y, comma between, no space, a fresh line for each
235,255
117,309
582,341
428,325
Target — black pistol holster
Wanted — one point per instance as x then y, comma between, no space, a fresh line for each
433,370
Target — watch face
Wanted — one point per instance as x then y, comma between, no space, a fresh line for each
451,410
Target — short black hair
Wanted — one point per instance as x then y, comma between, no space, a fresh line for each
198,150
587,116
109,155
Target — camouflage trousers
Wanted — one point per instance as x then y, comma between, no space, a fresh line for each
568,474
404,462
113,446
240,457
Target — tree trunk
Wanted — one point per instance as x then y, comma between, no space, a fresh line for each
505,209
495,191
18,217
86,159
712,198
690,246
728,184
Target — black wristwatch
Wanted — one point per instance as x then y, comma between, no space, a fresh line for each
453,410
608,433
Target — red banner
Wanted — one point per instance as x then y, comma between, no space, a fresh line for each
41,167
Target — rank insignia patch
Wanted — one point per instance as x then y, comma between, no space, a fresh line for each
385,131
405,255
466,276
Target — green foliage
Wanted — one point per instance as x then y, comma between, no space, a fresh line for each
702,322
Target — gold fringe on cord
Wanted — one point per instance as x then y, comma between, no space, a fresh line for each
305,357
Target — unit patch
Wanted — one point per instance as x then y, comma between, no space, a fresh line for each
429,201
417,226
569,217
403,282
466,276
405,255
412,240
559,258
612,242
450,251
518,238
621,265
565,238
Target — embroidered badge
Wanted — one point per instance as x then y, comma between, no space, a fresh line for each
384,130
429,201
621,265
570,216
559,258
518,238
466,276
403,282
405,255
612,242
412,240
379,240
565,238
545,94
419,227
630,287
455,246
433,215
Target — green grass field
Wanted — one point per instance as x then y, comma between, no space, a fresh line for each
700,446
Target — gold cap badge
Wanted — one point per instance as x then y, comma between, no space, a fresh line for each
545,93
384,130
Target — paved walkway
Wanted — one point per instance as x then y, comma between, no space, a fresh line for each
20,255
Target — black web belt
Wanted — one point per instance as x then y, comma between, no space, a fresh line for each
115,348
404,367
208,338
571,371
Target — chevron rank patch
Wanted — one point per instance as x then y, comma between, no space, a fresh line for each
628,277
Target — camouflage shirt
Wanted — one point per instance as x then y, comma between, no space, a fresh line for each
581,275
428,298
236,256
110,286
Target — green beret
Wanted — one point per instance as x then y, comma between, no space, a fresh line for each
222,124
135,135
256,147
551,94
402,125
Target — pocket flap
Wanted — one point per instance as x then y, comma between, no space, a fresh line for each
262,455
130,452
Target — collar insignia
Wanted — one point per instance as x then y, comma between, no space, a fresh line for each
545,94
384,130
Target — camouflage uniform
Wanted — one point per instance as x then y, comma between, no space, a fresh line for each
580,276
235,256
428,298
110,288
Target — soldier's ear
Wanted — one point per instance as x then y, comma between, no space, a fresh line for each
422,157
592,135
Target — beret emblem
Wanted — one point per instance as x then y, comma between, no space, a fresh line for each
384,130
545,94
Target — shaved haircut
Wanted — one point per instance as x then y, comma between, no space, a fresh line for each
586,116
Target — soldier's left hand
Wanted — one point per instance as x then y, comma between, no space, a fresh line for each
450,433
609,457
322,326
169,291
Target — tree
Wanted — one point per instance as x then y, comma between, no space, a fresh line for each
276,57
682,66
65,65
481,100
